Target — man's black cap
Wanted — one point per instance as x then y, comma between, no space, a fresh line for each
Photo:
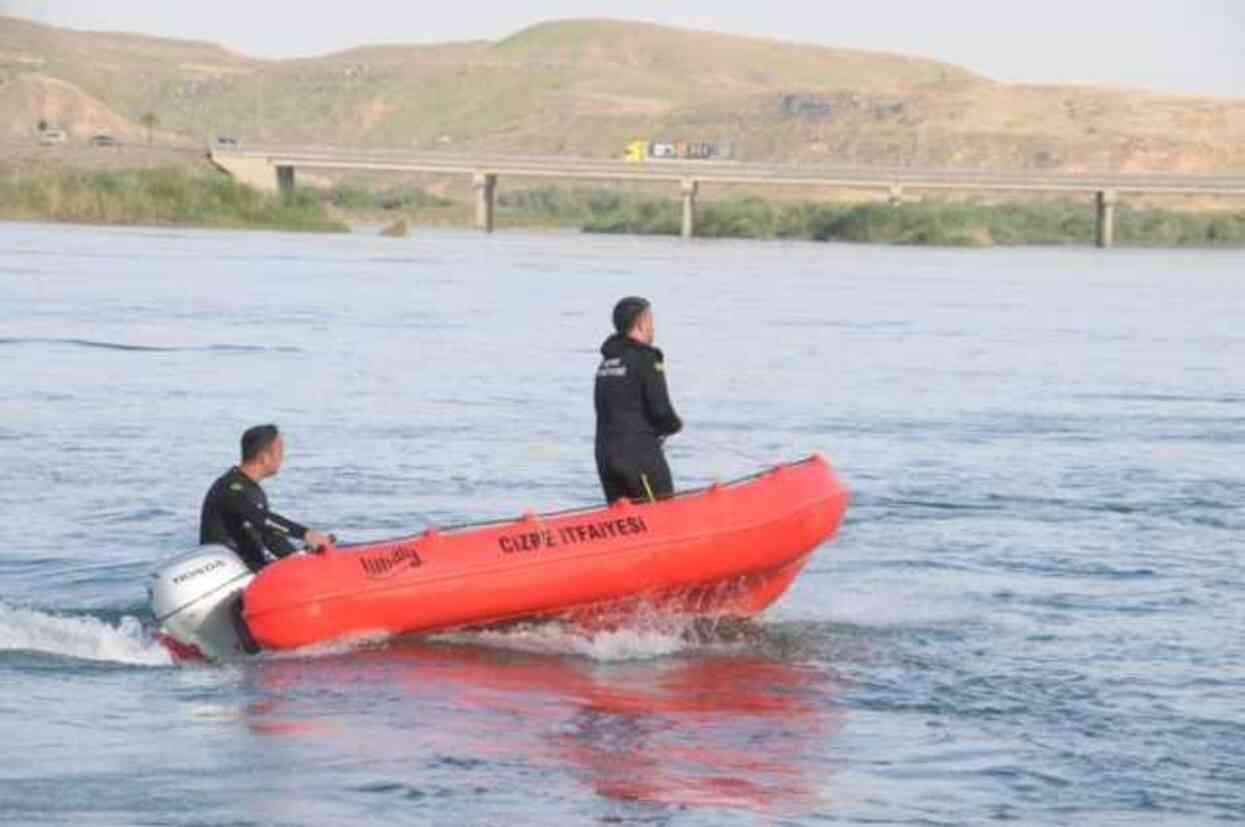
626,312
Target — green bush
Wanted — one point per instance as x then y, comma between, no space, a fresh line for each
646,217
560,206
164,195
348,197
411,198
796,220
542,201
355,198
1176,229
603,201
744,218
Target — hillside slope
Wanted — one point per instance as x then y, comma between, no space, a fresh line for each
587,87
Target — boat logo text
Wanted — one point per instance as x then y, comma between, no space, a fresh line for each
193,573
571,535
389,563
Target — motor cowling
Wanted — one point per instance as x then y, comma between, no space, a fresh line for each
196,600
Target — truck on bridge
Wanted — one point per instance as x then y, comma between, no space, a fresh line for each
640,151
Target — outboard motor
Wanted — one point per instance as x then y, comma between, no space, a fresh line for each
197,602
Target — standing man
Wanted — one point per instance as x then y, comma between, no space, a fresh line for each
634,413
235,510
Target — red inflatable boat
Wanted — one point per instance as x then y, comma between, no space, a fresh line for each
730,549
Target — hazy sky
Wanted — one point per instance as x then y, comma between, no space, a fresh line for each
1175,45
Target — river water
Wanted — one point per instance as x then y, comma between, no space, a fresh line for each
1035,610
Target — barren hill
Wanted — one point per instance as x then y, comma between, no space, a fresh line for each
587,87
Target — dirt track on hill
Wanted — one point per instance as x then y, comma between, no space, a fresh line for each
29,155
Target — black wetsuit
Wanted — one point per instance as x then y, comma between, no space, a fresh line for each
633,415
235,514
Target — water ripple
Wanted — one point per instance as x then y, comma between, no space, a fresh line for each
121,346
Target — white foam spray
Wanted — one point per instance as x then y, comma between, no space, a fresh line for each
84,638
335,648
628,643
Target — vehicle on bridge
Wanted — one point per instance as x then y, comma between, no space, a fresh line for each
640,151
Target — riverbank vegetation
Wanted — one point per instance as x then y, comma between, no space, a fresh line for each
929,223
172,196
160,196
938,223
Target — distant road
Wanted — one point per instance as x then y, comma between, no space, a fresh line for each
81,155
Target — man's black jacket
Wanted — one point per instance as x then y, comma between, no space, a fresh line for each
632,402
235,514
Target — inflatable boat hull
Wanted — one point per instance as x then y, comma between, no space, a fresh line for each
727,550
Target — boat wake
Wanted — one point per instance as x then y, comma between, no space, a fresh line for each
128,641
614,645
335,648
80,637
549,638
655,638
641,637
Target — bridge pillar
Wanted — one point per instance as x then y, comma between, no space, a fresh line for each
1104,201
285,180
690,187
485,184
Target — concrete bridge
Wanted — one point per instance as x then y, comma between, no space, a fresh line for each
273,169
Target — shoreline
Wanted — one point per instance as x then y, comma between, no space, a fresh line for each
172,197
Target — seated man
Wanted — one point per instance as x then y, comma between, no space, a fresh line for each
633,407
235,510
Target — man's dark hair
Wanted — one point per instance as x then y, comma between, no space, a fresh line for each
257,439
627,311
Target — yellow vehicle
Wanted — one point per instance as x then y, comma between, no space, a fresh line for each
636,152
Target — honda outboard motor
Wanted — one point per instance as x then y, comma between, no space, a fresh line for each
197,601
